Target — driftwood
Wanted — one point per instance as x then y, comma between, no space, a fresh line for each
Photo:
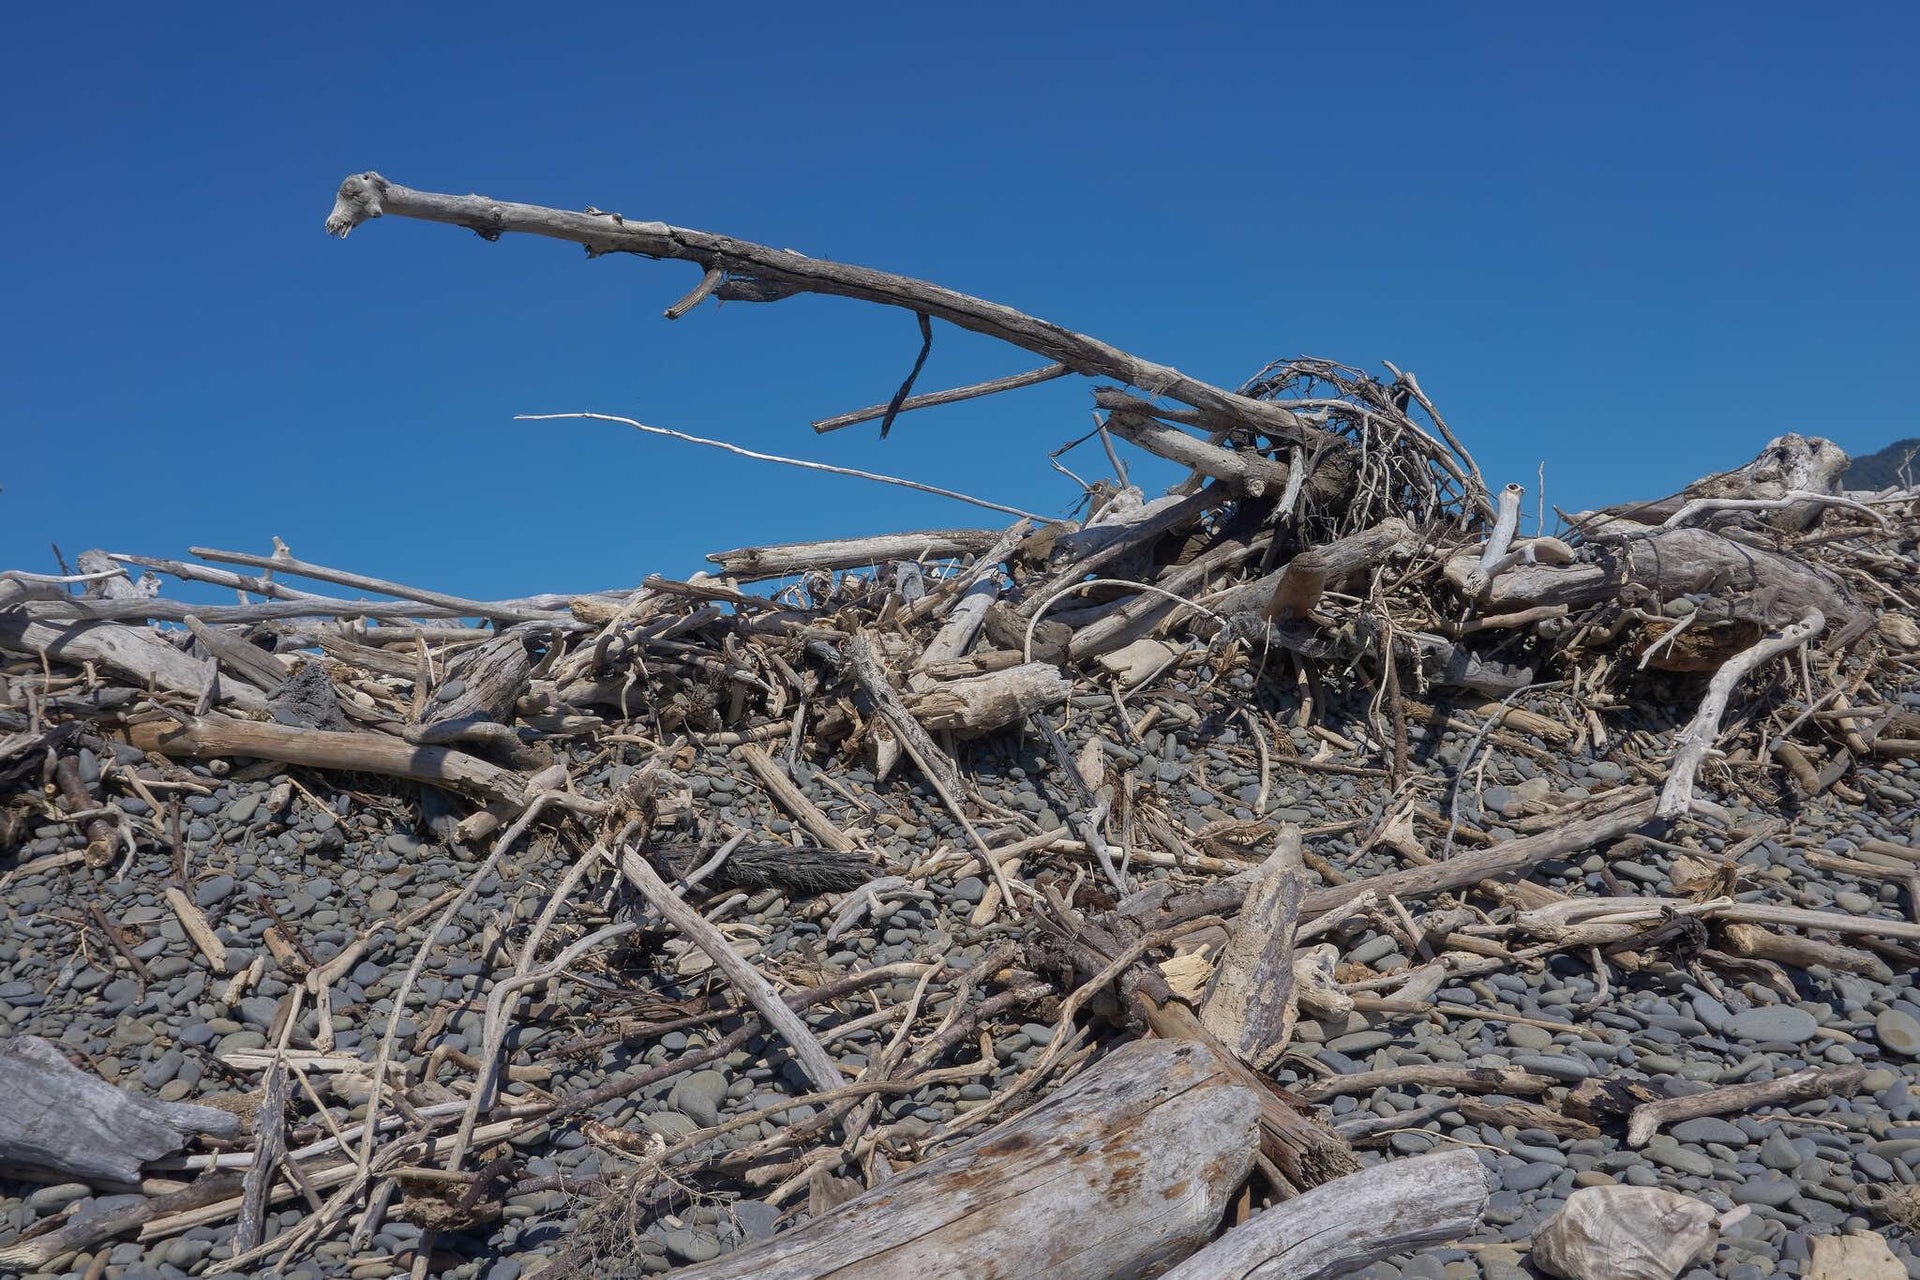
1150,1144
132,653
1249,1006
981,704
756,273
1347,1223
57,1119
754,564
320,749
1649,1118
1790,464
1310,573
1166,672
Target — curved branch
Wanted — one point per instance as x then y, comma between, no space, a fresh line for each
757,272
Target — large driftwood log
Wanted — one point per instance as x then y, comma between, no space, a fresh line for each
57,1119
1345,1224
1126,1169
1746,581
325,749
978,705
779,560
1789,464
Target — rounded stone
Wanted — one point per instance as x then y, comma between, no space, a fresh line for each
1773,1022
1898,1033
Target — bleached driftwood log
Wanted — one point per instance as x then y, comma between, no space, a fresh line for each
1345,1224
1789,464
325,749
57,1119
980,704
1126,1169
778,560
1663,564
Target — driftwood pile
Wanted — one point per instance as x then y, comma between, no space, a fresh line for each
1335,571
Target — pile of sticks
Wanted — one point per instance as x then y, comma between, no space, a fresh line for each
1334,571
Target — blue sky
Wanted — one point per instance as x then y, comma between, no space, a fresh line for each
1630,241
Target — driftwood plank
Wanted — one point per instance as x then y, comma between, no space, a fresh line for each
55,1118
1124,1170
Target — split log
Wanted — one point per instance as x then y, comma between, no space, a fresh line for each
57,1119
1249,1006
322,749
784,559
1127,1168
490,679
1345,1224
978,705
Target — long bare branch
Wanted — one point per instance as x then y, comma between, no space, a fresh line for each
756,272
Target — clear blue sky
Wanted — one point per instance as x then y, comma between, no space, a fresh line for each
1633,241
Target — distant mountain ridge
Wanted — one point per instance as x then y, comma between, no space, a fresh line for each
1879,470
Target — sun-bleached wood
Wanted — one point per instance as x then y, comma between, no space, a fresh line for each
1345,1224
57,1119
758,273
1126,1169
327,749
978,705
784,559
1249,1005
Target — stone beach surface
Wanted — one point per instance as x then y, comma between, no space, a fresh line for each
327,868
